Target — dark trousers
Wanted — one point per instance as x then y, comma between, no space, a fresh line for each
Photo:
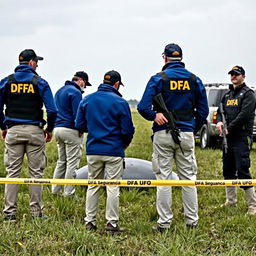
236,162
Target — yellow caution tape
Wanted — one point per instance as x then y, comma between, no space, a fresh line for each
130,183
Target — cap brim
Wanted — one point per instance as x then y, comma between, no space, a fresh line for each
88,84
39,58
234,71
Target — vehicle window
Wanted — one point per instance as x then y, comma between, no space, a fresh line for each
215,96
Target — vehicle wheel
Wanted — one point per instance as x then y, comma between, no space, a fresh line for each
205,139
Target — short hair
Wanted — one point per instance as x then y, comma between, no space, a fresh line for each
23,62
172,58
108,82
75,78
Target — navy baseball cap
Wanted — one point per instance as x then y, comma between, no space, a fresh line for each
28,55
84,76
111,77
238,70
173,51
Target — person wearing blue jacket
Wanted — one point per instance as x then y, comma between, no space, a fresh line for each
106,117
23,94
69,139
185,97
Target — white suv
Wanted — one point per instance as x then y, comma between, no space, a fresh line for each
208,134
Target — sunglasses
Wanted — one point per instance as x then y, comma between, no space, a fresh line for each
235,74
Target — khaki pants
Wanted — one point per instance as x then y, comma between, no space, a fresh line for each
70,152
100,167
21,140
164,152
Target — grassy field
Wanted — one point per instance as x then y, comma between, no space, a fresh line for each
220,232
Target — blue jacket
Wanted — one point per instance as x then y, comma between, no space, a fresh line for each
177,98
67,100
106,116
26,73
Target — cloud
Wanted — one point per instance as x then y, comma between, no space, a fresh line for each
129,36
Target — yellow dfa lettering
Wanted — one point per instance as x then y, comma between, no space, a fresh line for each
31,89
20,86
233,102
179,85
186,86
173,85
14,87
24,88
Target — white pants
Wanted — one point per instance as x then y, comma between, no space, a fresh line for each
70,150
100,167
164,152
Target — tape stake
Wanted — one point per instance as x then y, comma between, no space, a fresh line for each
130,183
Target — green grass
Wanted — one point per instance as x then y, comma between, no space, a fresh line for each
221,231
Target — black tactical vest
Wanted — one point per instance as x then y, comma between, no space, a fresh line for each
22,99
185,86
232,104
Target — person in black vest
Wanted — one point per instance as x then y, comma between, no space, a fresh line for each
23,94
239,110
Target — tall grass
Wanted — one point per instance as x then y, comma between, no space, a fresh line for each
221,231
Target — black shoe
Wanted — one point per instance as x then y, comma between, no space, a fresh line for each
191,226
114,228
11,218
90,226
160,229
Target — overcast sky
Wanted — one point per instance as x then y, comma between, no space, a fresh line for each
128,36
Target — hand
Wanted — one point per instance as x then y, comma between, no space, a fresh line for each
160,119
48,136
219,127
4,133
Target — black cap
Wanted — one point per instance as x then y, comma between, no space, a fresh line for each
238,70
28,55
173,51
84,76
111,77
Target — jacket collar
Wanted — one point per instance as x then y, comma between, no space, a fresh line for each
25,68
110,88
238,88
173,64
72,83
